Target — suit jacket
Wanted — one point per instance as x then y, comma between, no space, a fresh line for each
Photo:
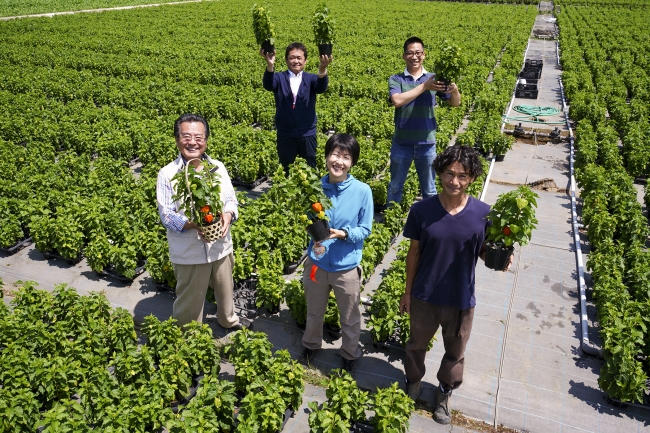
297,120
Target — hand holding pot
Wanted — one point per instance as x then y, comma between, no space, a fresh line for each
270,59
324,63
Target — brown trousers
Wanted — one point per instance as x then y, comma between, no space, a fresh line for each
346,285
192,284
456,328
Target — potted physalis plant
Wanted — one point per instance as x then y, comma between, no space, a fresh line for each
450,63
512,222
323,30
198,190
501,145
313,200
263,28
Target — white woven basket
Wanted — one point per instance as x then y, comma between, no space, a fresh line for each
214,230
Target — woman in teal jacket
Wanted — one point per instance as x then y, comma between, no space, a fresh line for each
333,264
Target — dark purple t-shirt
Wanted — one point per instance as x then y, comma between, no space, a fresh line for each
449,249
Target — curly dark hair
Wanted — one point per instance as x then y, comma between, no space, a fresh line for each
469,158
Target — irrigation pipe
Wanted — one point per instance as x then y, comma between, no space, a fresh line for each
487,180
587,346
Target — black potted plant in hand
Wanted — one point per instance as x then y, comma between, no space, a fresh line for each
450,63
323,30
313,200
513,221
263,28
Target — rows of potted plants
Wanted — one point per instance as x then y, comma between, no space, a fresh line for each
346,406
72,363
98,105
608,101
617,88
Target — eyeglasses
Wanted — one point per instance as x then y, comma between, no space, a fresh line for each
187,138
413,53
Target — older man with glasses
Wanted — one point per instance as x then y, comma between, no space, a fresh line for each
197,262
413,93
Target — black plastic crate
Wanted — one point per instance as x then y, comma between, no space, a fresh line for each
530,64
527,87
531,94
530,74
245,297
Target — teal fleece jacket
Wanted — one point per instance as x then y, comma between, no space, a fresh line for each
352,210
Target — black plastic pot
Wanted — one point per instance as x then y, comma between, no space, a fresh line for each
319,230
333,332
500,158
496,257
13,249
268,47
324,49
444,80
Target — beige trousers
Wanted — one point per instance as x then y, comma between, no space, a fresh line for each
192,284
346,285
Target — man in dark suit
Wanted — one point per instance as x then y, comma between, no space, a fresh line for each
295,103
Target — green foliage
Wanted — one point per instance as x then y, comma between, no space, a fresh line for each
287,374
450,62
262,25
199,349
250,353
262,409
326,420
332,313
323,25
270,283
65,416
198,190
10,228
392,410
502,144
513,217
294,295
345,398
164,338
18,410
311,196
211,410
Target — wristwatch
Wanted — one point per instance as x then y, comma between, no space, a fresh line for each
346,234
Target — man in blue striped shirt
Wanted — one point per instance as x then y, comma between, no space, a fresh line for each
413,93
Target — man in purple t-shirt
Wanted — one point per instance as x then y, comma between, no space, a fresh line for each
447,233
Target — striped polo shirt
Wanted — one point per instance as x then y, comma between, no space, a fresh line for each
415,122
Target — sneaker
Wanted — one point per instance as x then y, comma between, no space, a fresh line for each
441,413
350,365
413,389
307,356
